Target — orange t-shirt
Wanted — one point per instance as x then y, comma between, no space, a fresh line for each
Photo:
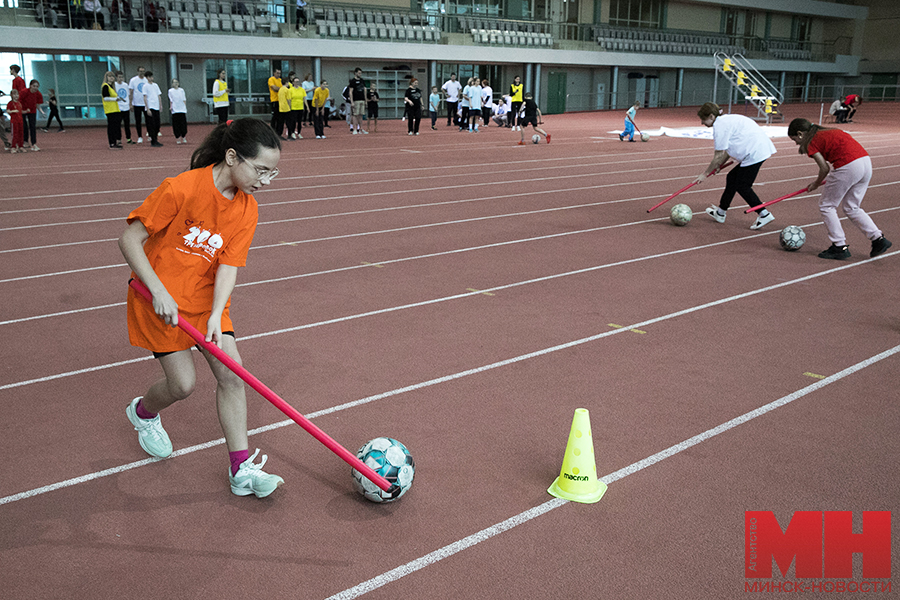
193,228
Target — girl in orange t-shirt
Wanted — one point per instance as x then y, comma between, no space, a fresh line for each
185,243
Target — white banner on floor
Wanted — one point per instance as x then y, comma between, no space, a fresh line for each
703,133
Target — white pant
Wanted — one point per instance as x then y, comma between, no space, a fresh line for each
846,187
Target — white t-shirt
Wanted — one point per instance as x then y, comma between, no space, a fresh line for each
452,88
177,100
122,93
152,92
136,85
464,99
742,138
487,97
475,97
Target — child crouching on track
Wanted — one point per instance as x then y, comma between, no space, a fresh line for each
532,116
845,186
185,243
629,123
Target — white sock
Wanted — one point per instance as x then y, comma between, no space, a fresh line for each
764,213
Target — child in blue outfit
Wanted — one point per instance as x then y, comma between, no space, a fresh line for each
629,123
434,101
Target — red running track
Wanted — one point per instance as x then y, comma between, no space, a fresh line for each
464,295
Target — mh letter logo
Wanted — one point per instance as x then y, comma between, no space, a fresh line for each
823,544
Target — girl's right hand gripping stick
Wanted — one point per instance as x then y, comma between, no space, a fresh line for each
687,187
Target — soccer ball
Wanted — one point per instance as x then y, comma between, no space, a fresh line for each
681,214
535,139
390,459
792,238
645,137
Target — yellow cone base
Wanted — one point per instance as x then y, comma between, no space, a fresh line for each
588,497
577,479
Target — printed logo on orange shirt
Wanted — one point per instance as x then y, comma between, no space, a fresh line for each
204,241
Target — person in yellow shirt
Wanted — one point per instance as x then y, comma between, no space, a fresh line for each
284,111
298,108
320,97
515,96
274,86
111,109
220,91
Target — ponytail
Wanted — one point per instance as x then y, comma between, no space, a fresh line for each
245,136
807,129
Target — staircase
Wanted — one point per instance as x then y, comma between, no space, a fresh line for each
755,88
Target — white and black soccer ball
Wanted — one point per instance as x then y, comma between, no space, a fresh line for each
390,459
645,137
535,139
681,215
792,238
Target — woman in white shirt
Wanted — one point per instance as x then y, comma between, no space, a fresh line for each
178,108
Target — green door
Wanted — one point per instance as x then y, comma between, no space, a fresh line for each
556,93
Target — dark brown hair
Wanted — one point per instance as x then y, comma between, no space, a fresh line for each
709,109
807,129
246,136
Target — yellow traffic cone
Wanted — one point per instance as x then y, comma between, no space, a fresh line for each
577,479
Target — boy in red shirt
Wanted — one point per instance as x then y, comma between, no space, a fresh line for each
31,99
846,184
14,108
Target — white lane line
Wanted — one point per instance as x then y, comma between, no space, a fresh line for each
417,386
542,509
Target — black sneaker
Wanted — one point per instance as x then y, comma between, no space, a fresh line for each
880,246
156,144
835,252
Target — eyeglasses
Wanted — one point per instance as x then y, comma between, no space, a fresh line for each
261,173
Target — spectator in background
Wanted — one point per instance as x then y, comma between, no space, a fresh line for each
124,105
284,110
434,102
301,15
18,83
3,129
121,15
97,13
53,105
152,102
848,108
451,89
309,86
178,109
14,108
111,110
372,99
275,85
318,106
500,113
220,91
298,101
487,101
45,13
136,99
31,100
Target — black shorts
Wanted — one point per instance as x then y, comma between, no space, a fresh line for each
526,121
197,346
373,110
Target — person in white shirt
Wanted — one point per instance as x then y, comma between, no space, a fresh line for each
178,109
500,114
97,13
124,104
152,103
741,139
487,101
451,89
474,97
136,99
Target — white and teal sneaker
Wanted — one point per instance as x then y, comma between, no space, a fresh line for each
153,438
251,479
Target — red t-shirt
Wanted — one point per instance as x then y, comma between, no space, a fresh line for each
19,84
836,146
193,229
849,99
14,117
30,100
